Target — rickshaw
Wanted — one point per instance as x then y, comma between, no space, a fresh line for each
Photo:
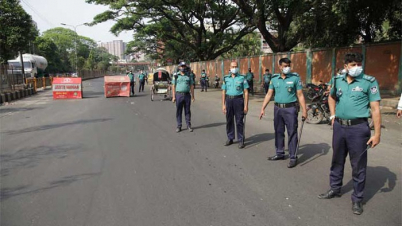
161,84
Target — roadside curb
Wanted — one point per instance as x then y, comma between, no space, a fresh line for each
6,98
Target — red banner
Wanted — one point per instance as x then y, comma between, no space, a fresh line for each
117,86
67,88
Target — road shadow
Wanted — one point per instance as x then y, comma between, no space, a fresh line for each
379,180
6,193
310,152
30,157
7,110
216,124
257,139
53,126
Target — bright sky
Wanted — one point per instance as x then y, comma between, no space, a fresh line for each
51,13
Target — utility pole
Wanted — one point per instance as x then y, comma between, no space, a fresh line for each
75,44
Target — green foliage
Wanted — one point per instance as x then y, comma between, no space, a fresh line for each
250,45
177,29
16,29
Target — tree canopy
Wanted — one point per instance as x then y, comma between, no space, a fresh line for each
17,29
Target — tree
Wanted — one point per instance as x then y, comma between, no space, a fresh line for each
48,49
16,30
206,29
250,46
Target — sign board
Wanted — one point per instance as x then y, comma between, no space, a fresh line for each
117,86
67,88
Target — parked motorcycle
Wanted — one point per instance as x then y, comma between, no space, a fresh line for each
319,109
315,91
216,84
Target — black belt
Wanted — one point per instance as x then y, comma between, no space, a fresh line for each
286,105
234,97
350,122
182,93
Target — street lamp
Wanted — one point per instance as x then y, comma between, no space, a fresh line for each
76,36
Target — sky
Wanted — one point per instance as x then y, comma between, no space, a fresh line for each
51,13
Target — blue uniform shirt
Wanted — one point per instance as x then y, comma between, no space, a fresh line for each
234,86
141,76
353,100
203,76
267,77
285,89
183,82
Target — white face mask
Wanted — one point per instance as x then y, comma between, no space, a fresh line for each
234,70
355,71
286,70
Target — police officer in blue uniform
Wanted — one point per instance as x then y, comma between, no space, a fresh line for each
266,80
352,94
288,89
234,103
204,80
183,94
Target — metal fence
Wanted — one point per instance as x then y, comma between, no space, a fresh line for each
381,60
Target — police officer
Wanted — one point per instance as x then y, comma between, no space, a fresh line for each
265,80
141,78
203,81
351,95
234,103
182,87
288,89
132,83
250,81
192,76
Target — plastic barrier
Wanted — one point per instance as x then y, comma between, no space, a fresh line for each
67,88
117,86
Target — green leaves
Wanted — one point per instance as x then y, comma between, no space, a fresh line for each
16,31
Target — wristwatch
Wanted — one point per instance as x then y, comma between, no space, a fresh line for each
332,117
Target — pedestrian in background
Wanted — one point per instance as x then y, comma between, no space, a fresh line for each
352,96
266,78
183,94
287,87
141,81
250,81
234,104
203,80
132,83
192,76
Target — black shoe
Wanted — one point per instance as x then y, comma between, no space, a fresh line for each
241,145
190,129
292,163
228,142
357,208
276,157
178,130
329,194
202,90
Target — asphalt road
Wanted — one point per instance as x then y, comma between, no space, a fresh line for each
118,161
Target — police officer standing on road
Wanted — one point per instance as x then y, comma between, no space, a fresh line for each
288,89
132,83
234,103
141,78
351,95
192,76
250,81
182,86
203,81
265,80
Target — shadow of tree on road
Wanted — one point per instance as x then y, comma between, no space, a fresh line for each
31,157
379,180
53,126
6,193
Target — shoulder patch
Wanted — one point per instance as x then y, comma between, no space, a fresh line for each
275,75
369,78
